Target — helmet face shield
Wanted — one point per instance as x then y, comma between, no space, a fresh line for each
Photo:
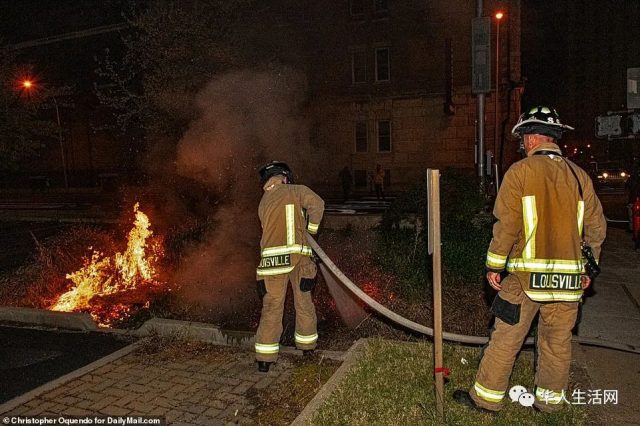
540,120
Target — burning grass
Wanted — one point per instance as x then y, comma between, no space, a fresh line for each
109,287
132,272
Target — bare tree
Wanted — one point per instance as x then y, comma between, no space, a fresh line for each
172,49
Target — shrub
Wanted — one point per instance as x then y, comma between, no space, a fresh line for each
465,231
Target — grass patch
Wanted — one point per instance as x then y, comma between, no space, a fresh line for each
392,384
295,392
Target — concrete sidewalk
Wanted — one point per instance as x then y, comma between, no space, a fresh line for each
206,385
613,313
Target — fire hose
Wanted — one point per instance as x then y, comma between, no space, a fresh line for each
419,328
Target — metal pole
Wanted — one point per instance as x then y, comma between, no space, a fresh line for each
480,115
64,163
497,106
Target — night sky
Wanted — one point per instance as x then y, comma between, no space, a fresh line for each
574,53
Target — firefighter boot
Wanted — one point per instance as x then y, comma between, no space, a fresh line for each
263,366
463,397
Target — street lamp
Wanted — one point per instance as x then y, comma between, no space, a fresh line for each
498,17
28,85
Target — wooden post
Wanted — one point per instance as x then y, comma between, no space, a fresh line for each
433,186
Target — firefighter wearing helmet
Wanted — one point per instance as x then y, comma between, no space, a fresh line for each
286,212
545,208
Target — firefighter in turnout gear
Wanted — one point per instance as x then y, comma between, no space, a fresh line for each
286,213
545,208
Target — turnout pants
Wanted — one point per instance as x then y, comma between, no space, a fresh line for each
270,328
554,351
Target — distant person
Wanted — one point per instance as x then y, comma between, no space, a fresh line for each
286,212
378,182
545,208
346,180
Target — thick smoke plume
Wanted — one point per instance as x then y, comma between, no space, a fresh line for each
246,119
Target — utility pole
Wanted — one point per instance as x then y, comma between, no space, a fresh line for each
481,81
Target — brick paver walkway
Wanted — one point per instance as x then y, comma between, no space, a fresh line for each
212,386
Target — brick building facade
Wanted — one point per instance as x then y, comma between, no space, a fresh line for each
392,86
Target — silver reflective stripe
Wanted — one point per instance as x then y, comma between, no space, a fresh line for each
530,217
313,227
311,338
496,261
580,216
548,396
555,296
488,394
270,348
274,271
293,249
291,221
545,265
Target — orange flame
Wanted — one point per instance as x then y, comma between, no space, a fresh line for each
104,276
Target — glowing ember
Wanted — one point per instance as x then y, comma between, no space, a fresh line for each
117,275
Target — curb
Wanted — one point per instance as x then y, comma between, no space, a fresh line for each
66,320
195,330
19,400
350,359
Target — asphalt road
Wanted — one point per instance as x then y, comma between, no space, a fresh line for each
31,357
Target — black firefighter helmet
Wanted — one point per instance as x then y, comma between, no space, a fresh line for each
275,168
541,120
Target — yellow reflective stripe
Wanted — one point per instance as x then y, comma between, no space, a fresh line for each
313,227
275,271
488,394
545,265
292,249
580,216
548,396
291,220
263,348
312,338
530,218
555,296
495,260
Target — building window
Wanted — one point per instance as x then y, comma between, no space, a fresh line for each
359,66
360,178
357,7
384,136
382,64
361,136
380,6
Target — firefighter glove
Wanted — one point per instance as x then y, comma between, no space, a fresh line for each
307,284
261,288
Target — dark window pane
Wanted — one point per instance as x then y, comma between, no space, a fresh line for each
387,178
360,178
380,5
382,64
361,136
384,136
359,64
357,7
